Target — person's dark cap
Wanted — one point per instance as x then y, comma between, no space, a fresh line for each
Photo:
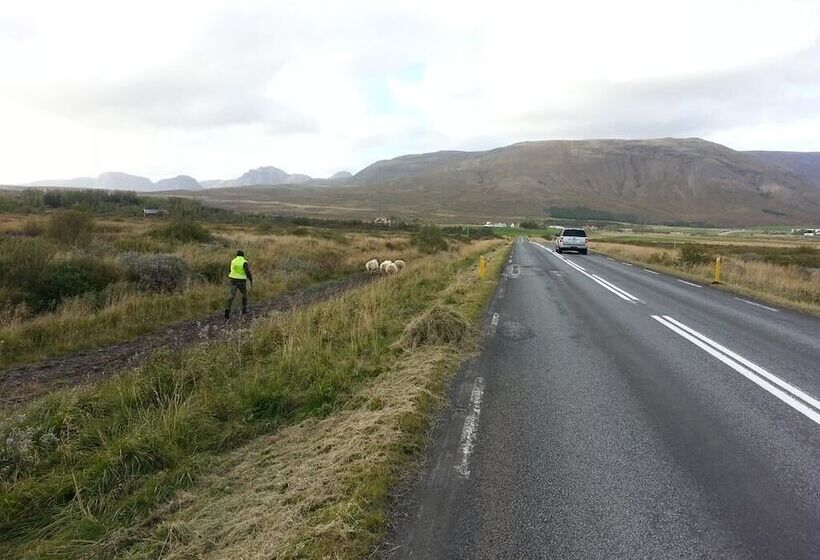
240,253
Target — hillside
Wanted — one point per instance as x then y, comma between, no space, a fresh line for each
804,164
662,180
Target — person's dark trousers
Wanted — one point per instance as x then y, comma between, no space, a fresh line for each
232,288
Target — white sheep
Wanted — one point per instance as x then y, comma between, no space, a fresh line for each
383,266
372,266
399,263
391,268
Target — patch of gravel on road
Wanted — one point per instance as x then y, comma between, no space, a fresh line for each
24,383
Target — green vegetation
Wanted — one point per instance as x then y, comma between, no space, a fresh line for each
129,276
429,239
183,231
84,473
155,273
70,227
690,254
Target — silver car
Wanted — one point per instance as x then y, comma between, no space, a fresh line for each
571,240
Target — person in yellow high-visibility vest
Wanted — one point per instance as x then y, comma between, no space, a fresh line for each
238,278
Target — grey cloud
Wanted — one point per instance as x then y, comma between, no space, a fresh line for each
781,90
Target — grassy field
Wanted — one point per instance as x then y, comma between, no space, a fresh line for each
59,296
281,442
781,271
543,233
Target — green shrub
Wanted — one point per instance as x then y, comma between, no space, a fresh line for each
660,258
212,271
184,231
72,278
156,273
23,260
429,239
692,254
70,227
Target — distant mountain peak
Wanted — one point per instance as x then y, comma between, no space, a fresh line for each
182,182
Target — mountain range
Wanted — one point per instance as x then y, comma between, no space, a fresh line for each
667,180
662,180
123,181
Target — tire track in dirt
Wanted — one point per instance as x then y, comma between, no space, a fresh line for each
24,383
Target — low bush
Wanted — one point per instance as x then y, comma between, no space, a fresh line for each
23,260
184,231
75,277
212,271
660,258
429,239
155,273
692,254
71,228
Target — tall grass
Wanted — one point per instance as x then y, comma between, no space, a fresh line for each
789,285
279,264
81,470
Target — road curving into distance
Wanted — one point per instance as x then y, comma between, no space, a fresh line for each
616,412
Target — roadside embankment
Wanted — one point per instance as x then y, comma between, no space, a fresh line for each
281,440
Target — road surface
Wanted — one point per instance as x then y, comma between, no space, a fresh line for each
620,413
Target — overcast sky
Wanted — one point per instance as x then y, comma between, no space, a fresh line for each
211,88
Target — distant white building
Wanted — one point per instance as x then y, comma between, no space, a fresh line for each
383,221
497,224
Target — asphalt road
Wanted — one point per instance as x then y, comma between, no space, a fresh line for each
619,413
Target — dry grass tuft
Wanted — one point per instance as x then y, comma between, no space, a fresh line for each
438,325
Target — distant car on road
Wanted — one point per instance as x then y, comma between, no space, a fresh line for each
571,240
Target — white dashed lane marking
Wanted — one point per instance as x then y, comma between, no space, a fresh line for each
757,304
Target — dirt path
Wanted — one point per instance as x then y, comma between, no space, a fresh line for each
24,383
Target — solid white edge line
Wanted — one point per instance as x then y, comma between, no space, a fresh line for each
758,304
493,325
783,396
751,365
469,432
689,283
651,271
614,287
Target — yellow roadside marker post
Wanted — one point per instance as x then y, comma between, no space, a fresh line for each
717,271
482,267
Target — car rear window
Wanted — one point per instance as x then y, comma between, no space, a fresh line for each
574,233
